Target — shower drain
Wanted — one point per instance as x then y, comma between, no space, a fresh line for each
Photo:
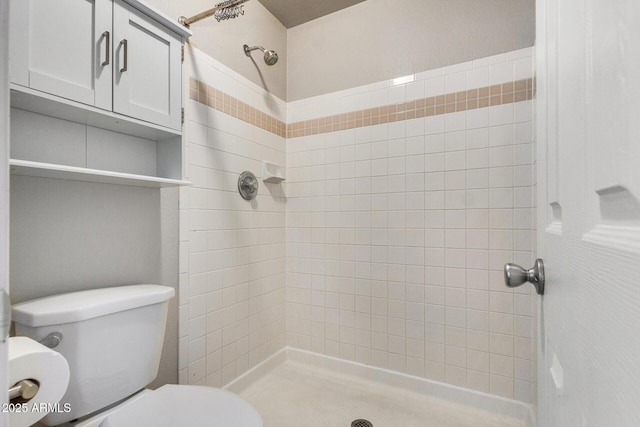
361,423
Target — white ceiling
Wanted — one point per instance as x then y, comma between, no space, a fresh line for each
296,12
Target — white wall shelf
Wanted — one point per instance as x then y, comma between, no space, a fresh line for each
50,170
272,173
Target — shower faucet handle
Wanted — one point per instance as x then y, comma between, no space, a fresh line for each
248,185
515,276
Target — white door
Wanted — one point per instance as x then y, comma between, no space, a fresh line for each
148,68
62,47
588,137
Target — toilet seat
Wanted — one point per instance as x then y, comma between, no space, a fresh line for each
181,405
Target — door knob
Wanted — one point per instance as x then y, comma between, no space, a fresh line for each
514,276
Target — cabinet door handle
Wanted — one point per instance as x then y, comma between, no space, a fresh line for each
126,55
107,38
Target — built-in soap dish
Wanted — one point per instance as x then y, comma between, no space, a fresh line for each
272,173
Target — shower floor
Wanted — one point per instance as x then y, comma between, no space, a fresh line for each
295,394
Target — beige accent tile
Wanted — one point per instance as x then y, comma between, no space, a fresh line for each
429,111
520,96
450,98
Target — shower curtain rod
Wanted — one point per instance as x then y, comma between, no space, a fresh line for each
207,13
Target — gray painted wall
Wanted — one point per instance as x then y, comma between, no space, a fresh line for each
224,40
69,235
371,41
382,39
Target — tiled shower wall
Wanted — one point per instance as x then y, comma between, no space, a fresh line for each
232,251
404,200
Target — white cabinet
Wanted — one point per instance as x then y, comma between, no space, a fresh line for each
110,69
59,47
147,74
108,54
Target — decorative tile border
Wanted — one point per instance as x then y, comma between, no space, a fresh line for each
506,93
218,100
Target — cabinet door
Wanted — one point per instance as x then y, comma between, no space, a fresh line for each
147,68
61,47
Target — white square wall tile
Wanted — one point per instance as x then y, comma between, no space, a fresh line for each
478,138
501,73
501,114
477,118
478,77
477,159
523,111
434,86
415,90
500,385
523,68
478,380
455,82
455,161
397,94
415,127
501,135
455,121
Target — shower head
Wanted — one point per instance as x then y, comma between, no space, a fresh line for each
270,56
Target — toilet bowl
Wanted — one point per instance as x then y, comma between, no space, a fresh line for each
112,339
177,406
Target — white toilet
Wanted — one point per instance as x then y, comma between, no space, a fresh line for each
112,339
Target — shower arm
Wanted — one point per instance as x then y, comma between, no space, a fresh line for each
248,50
207,13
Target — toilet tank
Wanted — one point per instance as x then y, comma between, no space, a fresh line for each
112,339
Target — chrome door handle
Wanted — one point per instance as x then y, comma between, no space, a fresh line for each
107,38
126,54
514,276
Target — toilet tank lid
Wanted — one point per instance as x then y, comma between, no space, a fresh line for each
83,305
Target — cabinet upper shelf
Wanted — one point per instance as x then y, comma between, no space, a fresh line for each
28,99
